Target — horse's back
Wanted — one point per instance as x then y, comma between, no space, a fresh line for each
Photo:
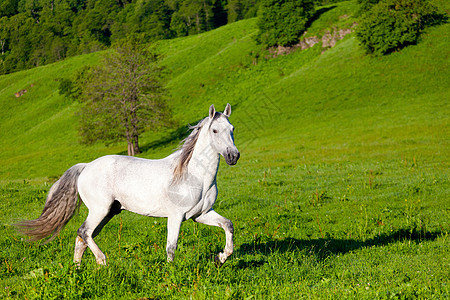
113,167
138,184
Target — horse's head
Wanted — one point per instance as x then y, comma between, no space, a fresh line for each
221,136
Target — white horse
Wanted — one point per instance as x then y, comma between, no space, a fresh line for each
178,187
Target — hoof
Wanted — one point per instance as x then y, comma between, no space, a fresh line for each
218,261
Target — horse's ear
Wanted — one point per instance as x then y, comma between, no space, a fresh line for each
227,111
212,111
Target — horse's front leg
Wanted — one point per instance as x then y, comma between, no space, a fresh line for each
173,230
214,219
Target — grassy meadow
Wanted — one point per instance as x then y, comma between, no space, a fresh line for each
342,189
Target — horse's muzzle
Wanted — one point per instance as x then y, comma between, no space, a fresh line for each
232,156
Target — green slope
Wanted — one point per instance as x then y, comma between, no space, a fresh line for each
38,128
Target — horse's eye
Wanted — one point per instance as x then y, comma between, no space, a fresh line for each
215,130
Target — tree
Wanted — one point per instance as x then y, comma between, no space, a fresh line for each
3,34
8,8
192,16
241,9
282,22
21,29
123,97
391,25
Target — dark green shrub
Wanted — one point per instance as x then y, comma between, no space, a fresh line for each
282,22
65,87
393,24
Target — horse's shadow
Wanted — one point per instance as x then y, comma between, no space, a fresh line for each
174,136
323,248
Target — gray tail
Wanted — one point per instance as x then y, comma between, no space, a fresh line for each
62,201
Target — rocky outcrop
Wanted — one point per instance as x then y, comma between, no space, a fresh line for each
328,40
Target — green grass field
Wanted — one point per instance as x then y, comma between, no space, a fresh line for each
342,189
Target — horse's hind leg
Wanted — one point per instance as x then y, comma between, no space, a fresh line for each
90,229
80,247
85,232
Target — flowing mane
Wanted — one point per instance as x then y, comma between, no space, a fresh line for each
186,150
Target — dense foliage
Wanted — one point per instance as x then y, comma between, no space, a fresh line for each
38,32
366,5
282,22
390,25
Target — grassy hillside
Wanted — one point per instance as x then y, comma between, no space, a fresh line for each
342,188
39,128
215,67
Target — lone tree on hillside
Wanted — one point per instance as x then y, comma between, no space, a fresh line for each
123,96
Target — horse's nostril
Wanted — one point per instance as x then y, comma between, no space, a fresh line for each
231,156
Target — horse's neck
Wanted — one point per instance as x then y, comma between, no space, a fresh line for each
204,161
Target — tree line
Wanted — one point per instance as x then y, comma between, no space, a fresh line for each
38,32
